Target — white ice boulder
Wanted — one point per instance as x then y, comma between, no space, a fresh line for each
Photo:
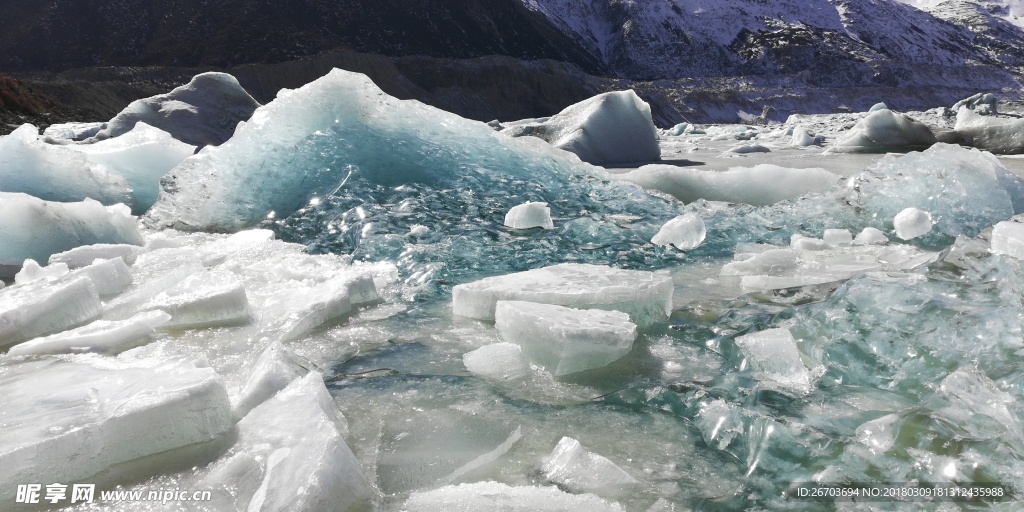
55,173
67,421
529,215
774,358
206,299
801,137
142,156
41,308
102,336
998,135
885,130
871,236
273,371
911,223
572,467
679,129
645,296
762,184
610,128
87,254
496,496
1008,239
565,340
684,232
290,455
203,112
498,361
878,106
31,228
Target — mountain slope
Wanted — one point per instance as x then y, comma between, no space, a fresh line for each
826,42
56,35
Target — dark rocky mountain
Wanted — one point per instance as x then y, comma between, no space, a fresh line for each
60,34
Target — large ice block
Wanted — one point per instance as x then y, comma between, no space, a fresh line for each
42,308
762,184
300,309
572,467
773,356
610,128
497,496
107,337
645,296
35,229
203,112
66,421
290,455
565,340
204,299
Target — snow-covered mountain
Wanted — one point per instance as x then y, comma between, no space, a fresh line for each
828,42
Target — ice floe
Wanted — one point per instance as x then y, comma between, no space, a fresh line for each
759,185
885,130
645,296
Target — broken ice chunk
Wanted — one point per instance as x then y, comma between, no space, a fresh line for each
529,215
203,300
743,149
300,309
31,271
499,361
770,262
1008,239
879,434
645,296
274,370
87,254
804,243
67,421
565,340
110,277
838,237
497,496
684,232
998,135
41,308
773,356
912,223
871,236
290,455
719,423
572,467
100,336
